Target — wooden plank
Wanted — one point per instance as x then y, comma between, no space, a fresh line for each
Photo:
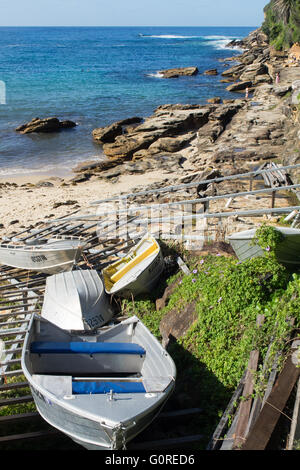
262,430
294,419
217,435
183,266
245,406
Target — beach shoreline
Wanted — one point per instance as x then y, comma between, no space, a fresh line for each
201,141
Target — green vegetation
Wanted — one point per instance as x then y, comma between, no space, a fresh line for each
228,296
282,23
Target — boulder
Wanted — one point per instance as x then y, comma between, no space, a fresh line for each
252,71
171,144
239,86
51,124
234,71
211,72
177,72
67,124
108,134
165,123
215,100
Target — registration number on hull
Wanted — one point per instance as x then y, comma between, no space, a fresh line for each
38,258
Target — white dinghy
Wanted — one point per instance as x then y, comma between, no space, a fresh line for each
50,256
137,272
76,300
287,252
101,390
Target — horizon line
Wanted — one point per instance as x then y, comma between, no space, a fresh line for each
129,26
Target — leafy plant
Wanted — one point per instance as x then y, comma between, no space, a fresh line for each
268,238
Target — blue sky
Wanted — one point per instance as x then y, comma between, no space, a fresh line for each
131,12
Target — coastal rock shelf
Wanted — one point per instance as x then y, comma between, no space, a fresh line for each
231,133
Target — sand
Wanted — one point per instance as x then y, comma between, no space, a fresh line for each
27,204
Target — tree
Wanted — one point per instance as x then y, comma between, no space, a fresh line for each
283,9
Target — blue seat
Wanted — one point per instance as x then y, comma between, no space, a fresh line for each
87,388
54,347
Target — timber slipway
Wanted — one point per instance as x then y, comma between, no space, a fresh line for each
21,295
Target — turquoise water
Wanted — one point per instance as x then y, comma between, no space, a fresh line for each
95,76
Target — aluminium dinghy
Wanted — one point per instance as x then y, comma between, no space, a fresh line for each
101,390
76,300
51,256
287,252
137,272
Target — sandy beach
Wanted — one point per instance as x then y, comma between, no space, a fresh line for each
24,202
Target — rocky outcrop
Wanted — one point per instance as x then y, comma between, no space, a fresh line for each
231,136
179,72
107,134
164,131
51,124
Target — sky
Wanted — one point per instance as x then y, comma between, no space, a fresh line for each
131,12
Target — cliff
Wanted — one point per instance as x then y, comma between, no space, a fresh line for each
282,23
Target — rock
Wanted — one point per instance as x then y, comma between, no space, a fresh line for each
167,121
215,100
211,72
113,173
234,71
177,323
66,203
177,72
282,90
171,144
236,43
45,184
239,86
262,79
161,303
107,134
51,124
67,124
251,71
81,178
247,59
13,222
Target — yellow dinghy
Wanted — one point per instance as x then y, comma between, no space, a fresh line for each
137,272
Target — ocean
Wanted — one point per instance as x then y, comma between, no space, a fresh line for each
95,76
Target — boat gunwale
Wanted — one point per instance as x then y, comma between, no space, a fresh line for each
161,396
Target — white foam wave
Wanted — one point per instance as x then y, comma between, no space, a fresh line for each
168,36
221,42
155,75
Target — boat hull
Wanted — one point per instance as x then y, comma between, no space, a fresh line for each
143,282
287,252
91,434
45,260
142,277
76,300
137,373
